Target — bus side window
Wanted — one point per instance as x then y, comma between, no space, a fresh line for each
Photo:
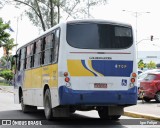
31,55
43,50
37,57
28,57
48,46
22,59
53,45
18,60
56,45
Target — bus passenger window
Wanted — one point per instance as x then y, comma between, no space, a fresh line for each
36,60
28,58
18,59
37,53
22,65
56,44
28,62
23,52
47,51
22,59
48,41
42,53
38,46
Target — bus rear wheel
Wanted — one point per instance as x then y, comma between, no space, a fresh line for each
103,114
27,108
48,105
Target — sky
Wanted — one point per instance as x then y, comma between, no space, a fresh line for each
147,23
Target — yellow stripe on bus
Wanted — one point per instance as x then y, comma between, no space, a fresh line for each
38,77
75,68
90,66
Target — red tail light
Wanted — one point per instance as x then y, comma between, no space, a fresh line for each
67,79
134,75
133,80
66,74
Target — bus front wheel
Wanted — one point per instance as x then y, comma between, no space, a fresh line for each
47,105
27,108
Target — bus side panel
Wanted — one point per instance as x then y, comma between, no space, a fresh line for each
28,79
54,84
18,83
50,78
32,90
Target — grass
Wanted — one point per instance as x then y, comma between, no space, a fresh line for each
4,84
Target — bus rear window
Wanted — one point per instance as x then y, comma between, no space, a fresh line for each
99,36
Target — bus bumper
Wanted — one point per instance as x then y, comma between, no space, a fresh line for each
80,97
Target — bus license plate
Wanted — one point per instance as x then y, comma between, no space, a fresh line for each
100,85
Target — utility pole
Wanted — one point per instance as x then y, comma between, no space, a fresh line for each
136,14
88,8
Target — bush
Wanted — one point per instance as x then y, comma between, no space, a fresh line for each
6,74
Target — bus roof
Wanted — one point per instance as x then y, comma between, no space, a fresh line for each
77,21
99,21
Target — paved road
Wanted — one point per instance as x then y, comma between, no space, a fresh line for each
9,110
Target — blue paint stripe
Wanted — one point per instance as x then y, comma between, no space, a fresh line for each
83,63
113,67
92,97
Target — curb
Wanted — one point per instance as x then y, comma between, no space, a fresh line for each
140,115
6,90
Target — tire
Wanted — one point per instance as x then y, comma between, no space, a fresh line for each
146,99
157,97
103,114
48,105
27,108
72,110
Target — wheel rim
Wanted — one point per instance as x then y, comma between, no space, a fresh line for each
22,104
47,106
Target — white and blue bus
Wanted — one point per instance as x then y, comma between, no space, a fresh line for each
78,65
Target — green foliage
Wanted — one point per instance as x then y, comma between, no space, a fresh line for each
151,65
4,59
47,13
5,40
4,36
6,74
9,45
141,64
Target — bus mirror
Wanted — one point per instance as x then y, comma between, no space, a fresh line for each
15,56
14,61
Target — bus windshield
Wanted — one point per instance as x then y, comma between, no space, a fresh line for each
99,36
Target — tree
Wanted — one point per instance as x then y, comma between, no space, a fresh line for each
7,74
151,65
4,61
9,46
47,13
5,41
2,3
4,36
141,64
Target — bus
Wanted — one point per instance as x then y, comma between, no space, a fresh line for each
78,65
